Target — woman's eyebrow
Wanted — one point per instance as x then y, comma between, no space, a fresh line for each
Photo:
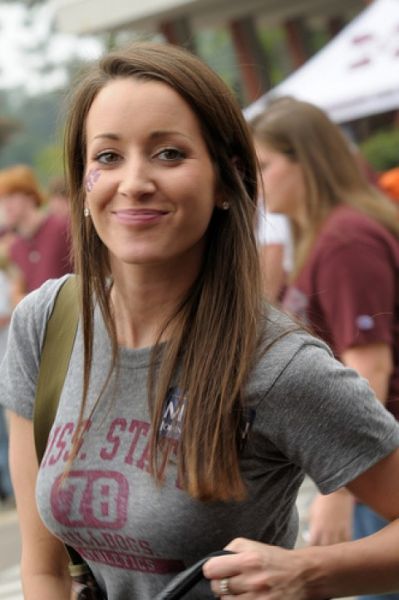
165,132
108,136
154,135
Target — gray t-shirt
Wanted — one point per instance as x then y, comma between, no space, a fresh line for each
310,415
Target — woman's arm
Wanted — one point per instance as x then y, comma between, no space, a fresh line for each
370,565
44,562
374,362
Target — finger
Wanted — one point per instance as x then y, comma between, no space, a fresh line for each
243,589
239,545
222,566
225,588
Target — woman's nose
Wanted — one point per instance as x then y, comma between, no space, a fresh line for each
136,179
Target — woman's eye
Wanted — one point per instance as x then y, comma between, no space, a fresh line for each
171,154
106,158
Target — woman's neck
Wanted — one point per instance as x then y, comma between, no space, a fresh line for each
143,300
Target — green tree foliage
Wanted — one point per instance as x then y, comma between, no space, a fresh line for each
8,127
38,136
274,44
49,162
38,111
216,49
382,149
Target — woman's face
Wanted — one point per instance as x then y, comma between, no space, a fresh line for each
283,182
150,183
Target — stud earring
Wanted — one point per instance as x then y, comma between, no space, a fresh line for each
225,205
86,211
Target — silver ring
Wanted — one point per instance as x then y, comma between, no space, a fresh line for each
224,587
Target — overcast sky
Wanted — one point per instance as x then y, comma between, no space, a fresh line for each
19,61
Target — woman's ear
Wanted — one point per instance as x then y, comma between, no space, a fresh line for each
221,203
220,198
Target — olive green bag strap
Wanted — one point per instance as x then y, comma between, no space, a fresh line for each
54,360
55,356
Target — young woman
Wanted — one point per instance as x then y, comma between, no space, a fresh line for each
191,410
345,283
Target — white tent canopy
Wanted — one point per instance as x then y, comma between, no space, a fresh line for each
356,74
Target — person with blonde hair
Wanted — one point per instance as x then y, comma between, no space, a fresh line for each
191,409
345,280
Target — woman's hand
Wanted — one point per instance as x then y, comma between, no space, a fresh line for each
330,518
258,572
367,566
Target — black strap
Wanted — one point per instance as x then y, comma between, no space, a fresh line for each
186,580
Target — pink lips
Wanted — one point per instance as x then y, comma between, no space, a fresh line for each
138,216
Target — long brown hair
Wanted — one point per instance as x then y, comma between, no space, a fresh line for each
215,328
332,176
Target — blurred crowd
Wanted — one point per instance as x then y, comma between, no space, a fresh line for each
34,247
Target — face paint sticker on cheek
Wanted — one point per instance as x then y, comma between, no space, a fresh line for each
91,178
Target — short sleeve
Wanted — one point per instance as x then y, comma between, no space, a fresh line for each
355,284
20,366
324,418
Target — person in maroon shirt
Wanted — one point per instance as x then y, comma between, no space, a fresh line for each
345,281
40,248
